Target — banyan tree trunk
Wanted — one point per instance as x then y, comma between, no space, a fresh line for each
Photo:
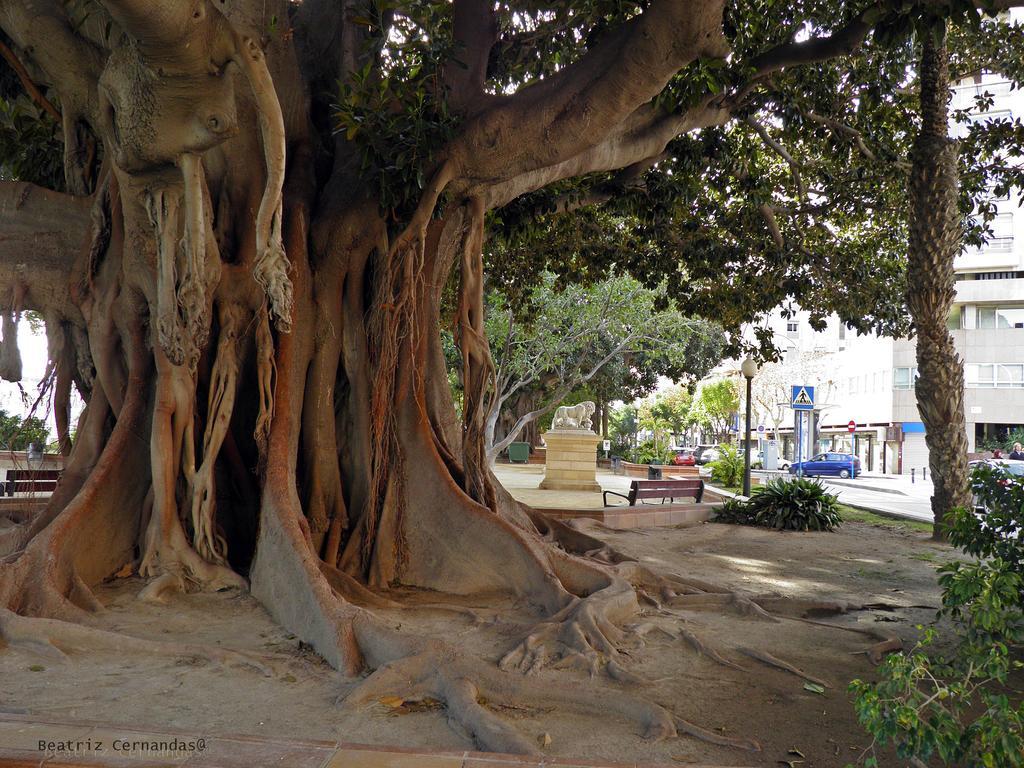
935,238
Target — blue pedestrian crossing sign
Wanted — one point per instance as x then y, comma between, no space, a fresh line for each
802,399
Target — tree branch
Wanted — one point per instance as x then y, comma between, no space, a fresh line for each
26,82
552,121
844,40
853,133
41,234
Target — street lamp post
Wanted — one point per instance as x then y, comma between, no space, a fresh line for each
749,371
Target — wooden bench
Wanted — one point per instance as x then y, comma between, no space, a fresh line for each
660,489
31,481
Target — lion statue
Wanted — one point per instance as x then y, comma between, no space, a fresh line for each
574,416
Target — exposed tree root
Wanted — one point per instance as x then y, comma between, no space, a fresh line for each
582,634
732,601
55,639
684,726
573,541
766,658
705,650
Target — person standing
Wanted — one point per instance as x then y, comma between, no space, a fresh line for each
1017,454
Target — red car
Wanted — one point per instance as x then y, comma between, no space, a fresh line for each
684,459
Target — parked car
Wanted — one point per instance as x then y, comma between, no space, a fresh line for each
758,460
838,464
706,453
683,458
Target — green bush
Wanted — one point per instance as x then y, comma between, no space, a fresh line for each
648,453
956,706
797,504
728,468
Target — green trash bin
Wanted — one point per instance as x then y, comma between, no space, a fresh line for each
519,453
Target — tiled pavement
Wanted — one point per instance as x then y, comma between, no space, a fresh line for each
522,482
96,745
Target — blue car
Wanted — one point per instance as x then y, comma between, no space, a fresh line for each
838,464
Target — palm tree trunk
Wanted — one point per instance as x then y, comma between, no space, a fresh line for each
935,237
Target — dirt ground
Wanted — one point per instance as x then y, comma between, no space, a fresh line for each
303,698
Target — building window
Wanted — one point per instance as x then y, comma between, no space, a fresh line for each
1011,376
988,375
853,386
1001,317
792,327
904,378
1002,234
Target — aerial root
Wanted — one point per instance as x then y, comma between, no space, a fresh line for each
223,381
685,726
705,650
54,639
766,658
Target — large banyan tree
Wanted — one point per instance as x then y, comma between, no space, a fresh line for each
267,209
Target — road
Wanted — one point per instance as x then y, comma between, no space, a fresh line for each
888,494
916,507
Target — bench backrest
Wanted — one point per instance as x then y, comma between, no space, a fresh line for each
665,489
31,481
33,474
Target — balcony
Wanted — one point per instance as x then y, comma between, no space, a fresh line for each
997,253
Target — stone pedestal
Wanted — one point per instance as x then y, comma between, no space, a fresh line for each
571,460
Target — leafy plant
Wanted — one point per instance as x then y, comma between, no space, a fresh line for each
727,470
798,504
649,453
956,706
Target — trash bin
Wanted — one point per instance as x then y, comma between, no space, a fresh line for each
654,472
519,453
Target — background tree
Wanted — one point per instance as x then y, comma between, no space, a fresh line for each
714,405
625,423
674,407
771,389
558,339
17,433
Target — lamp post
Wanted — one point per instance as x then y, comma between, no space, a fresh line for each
749,371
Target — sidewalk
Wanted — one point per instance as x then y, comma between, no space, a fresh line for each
26,740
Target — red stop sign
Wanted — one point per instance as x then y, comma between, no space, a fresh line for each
852,426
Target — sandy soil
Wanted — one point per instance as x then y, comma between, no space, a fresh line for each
302,698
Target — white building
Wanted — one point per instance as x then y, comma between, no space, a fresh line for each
870,380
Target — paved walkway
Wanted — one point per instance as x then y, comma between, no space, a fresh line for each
522,481
30,741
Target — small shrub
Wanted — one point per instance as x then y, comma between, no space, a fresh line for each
728,468
798,504
648,453
734,511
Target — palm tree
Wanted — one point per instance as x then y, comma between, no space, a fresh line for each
935,236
